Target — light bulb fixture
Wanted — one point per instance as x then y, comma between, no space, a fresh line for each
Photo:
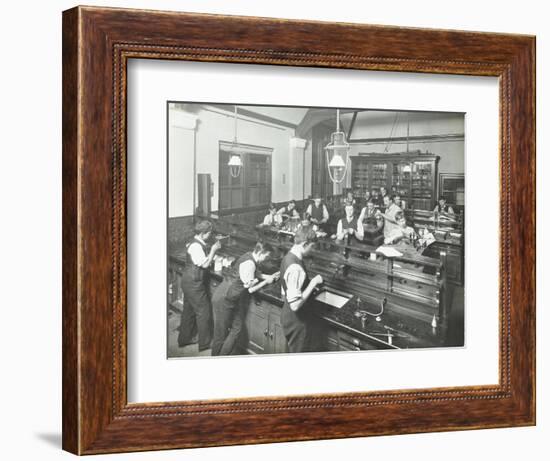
337,152
235,163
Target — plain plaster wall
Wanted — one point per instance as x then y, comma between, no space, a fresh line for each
213,126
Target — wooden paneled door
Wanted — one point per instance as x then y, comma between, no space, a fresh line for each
252,188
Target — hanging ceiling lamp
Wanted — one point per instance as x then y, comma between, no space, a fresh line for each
337,152
235,163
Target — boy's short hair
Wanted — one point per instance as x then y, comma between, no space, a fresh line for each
202,227
305,234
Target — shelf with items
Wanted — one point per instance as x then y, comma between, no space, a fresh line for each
379,175
360,179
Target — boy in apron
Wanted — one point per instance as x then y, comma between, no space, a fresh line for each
298,320
349,225
197,310
231,298
317,212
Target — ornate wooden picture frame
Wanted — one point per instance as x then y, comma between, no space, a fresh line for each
97,44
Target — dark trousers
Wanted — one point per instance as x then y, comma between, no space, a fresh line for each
228,321
196,315
299,329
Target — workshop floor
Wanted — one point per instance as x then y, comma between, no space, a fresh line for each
455,335
192,350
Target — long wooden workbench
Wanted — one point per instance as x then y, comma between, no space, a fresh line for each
400,302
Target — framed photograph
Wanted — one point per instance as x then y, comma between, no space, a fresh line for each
279,230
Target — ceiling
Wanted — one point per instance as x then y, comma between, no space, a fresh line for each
304,118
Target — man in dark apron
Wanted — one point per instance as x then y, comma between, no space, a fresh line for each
197,309
317,212
298,320
231,298
349,225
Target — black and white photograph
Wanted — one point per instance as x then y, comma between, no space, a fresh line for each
275,230
313,229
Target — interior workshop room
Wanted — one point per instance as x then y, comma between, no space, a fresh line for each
304,229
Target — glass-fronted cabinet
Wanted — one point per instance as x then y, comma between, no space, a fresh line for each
360,179
379,175
410,174
401,178
422,185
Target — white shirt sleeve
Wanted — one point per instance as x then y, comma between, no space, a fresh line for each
393,235
308,211
247,272
197,254
268,220
360,231
294,279
339,231
325,213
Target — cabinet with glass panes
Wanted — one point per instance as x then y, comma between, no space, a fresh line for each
360,179
409,174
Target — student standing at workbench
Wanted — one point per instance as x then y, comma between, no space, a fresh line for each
391,210
197,310
232,295
298,320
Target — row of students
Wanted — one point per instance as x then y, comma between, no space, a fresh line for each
377,198
351,224
316,212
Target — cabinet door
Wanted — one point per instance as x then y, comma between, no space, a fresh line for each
332,342
360,176
379,175
401,179
257,326
454,265
277,338
422,184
